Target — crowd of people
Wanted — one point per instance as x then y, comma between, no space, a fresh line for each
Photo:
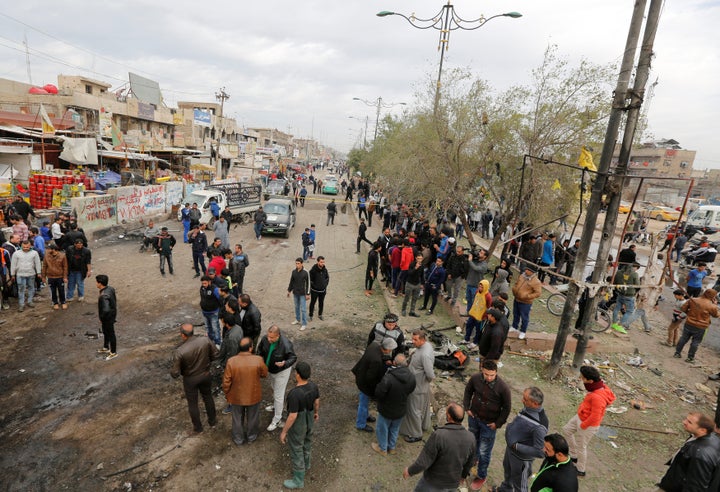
421,262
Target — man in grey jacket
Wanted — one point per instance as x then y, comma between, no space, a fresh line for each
447,456
525,439
24,268
417,419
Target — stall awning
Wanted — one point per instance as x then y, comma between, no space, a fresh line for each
202,167
117,154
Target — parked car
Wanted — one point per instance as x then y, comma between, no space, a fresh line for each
624,207
281,214
330,187
276,187
661,213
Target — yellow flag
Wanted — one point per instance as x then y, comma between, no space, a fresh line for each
586,159
47,126
556,185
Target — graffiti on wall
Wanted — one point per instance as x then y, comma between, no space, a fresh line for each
95,212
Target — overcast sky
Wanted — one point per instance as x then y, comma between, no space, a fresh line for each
296,66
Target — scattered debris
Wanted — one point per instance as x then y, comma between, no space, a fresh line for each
622,386
640,405
655,431
703,388
635,361
523,354
616,410
100,466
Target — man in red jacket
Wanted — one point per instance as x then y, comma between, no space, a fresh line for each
586,422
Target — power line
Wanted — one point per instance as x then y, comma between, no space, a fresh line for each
102,57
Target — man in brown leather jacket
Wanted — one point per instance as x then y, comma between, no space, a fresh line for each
699,310
243,390
192,360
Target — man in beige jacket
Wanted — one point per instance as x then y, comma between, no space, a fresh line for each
527,288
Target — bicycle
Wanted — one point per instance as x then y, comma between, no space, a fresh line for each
601,321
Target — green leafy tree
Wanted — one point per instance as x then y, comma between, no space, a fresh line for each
469,151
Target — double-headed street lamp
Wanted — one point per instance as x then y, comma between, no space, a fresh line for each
378,103
446,21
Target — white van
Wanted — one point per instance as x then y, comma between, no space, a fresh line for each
706,218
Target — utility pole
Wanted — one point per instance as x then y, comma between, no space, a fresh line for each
602,183
27,58
221,96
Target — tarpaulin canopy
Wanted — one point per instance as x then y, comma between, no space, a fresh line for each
107,178
80,151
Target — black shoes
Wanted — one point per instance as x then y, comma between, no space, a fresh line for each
371,418
367,428
414,314
411,440
714,377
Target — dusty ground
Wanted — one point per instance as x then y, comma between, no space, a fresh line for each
71,421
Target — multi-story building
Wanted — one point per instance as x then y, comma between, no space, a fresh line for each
663,159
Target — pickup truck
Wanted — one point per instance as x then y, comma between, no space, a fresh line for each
243,199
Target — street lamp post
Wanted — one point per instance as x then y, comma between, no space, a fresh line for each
366,125
378,103
221,96
445,21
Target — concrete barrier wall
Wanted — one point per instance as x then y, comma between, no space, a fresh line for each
174,192
95,212
127,204
135,202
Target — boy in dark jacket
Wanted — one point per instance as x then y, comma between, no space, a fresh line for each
434,279
107,312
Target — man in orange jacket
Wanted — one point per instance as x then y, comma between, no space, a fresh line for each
586,422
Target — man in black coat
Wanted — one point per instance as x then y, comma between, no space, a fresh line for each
368,372
492,340
107,312
392,394
319,280
696,466
251,319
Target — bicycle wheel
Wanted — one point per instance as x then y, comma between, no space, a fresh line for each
601,322
556,303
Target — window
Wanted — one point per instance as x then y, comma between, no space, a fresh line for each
88,89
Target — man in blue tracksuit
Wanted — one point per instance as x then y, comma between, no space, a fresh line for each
210,303
434,279
185,214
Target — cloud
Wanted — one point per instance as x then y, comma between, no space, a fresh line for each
299,65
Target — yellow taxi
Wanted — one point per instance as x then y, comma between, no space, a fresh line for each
662,213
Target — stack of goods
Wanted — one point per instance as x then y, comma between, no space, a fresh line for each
55,190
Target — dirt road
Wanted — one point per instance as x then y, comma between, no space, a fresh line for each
72,421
